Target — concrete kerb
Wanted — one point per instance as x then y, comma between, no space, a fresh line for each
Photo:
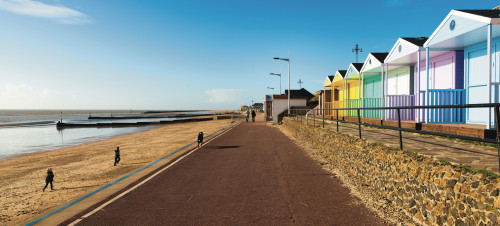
61,214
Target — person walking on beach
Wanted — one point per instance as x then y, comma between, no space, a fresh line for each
49,179
248,114
253,115
200,139
117,155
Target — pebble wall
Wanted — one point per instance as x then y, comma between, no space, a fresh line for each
429,191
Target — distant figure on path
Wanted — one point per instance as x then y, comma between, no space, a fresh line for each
49,179
200,139
253,115
117,155
248,114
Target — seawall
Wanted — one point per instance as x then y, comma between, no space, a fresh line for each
430,192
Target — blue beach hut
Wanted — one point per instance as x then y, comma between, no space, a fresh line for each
473,31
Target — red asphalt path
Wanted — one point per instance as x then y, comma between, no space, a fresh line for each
252,175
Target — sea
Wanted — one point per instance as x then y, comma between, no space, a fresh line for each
28,131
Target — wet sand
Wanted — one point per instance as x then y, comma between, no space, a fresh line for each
82,169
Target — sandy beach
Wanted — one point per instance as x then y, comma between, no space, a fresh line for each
82,169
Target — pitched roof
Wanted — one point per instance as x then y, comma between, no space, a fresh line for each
358,66
331,77
380,56
342,72
490,13
297,93
419,41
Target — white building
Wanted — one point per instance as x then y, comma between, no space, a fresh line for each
277,104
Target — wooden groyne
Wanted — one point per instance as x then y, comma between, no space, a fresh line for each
131,124
146,116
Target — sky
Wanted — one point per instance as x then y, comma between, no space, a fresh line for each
192,54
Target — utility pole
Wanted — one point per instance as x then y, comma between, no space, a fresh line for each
356,50
300,83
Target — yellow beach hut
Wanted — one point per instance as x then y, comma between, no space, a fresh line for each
338,95
352,89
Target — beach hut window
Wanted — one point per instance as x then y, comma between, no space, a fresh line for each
399,48
336,95
452,25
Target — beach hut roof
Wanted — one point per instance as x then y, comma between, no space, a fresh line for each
490,13
380,56
405,52
341,72
328,80
373,62
418,41
462,28
353,70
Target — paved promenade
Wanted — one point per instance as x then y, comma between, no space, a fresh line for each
252,175
438,148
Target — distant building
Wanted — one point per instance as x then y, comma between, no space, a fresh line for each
277,104
258,106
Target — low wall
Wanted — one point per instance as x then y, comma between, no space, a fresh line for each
429,191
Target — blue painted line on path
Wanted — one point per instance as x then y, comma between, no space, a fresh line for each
114,182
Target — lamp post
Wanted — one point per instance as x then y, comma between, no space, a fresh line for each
289,91
356,50
271,88
277,74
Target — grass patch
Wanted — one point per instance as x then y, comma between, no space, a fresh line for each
444,161
483,171
477,143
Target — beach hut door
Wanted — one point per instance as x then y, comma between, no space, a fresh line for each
477,82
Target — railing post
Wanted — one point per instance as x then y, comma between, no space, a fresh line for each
497,123
400,134
323,113
337,120
314,118
307,119
359,124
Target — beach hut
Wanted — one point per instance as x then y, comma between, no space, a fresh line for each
399,78
473,31
371,80
352,91
326,97
337,88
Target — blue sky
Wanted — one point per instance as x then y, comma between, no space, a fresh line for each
217,54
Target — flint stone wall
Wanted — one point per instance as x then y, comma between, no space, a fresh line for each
430,192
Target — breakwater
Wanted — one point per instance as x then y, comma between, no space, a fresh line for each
428,191
61,125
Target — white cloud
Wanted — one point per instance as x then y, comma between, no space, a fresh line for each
61,14
222,95
24,96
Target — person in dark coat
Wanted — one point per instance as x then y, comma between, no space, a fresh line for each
200,139
49,179
253,115
117,155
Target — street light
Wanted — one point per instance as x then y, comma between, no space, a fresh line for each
289,91
279,76
271,88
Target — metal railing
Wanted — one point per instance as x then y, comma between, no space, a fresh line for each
398,111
